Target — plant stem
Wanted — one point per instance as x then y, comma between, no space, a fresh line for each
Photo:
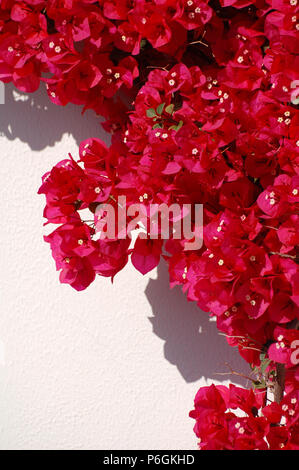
279,384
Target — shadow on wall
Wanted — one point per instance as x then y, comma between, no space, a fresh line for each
35,120
192,341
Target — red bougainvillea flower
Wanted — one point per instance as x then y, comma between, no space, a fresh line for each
201,101
259,427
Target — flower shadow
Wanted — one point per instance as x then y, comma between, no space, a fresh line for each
192,342
35,120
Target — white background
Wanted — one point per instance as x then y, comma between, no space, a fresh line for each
113,367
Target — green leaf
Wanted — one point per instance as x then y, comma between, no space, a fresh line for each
259,385
160,108
262,356
169,109
151,112
157,126
143,43
265,363
177,127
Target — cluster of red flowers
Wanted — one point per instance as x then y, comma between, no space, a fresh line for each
252,426
200,98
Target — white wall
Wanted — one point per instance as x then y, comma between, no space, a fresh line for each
113,367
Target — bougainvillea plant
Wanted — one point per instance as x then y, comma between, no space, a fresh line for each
200,98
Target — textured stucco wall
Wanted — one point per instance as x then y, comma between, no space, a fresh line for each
113,367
